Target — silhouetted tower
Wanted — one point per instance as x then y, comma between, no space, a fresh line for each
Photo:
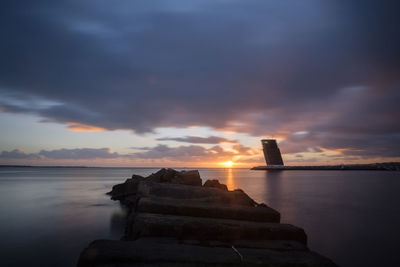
272,153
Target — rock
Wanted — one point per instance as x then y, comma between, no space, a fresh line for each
168,252
136,177
177,222
196,228
121,191
216,184
175,177
214,195
190,178
206,208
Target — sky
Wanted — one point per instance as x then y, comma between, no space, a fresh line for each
198,83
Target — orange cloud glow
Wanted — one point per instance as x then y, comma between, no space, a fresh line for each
80,127
339,151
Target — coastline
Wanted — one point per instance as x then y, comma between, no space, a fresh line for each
385,166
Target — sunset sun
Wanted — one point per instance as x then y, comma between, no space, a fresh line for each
227,164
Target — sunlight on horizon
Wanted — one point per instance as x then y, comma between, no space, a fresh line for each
227,164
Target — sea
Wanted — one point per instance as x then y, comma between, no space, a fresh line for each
49,215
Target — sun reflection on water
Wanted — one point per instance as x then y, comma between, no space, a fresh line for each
230,181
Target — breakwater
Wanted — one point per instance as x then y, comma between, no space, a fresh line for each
176,220
387,166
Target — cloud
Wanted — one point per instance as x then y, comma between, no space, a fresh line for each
179,153
186,153
79,127
358,121
17,154
198,140
244,150
266,68
78,153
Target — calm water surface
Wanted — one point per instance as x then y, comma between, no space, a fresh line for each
48,215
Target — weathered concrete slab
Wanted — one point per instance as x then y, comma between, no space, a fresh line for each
206,208
166,252
236,197
185,227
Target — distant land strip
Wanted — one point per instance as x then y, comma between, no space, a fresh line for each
385,166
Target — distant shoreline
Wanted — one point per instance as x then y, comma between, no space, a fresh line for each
385,166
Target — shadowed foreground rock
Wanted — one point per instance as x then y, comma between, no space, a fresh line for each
185,227
175,221
164,252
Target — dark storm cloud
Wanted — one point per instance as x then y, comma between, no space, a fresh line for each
260,67
198,140
368,128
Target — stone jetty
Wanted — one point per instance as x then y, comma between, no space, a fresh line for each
385,166
174,220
